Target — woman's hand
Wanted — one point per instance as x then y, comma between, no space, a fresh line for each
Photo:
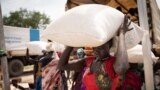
121,64
125,26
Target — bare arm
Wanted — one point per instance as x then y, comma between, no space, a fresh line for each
121,64
65,64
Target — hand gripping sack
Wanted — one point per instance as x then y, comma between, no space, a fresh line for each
85,25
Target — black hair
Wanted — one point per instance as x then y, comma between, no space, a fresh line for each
49,40
133,11
110,43
119,8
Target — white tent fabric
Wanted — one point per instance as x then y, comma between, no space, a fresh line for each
156,23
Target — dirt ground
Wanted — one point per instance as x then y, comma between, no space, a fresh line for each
26,77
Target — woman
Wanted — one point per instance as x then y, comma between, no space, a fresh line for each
103,71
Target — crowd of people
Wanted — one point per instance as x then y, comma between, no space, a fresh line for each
94,67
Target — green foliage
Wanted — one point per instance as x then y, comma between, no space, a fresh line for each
24,18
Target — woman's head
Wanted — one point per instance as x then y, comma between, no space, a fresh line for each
88,51
103,50
80,53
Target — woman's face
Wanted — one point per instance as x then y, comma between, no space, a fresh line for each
101,51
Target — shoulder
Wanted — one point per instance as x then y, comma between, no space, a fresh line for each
111,58
110,61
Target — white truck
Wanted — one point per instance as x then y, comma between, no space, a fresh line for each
17,41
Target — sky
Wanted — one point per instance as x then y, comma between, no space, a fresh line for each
158,1
52,8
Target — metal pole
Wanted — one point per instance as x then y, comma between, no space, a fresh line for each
4,63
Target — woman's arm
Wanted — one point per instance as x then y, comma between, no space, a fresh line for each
121,64
65,64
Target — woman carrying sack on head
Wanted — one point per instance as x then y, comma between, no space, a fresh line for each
103,71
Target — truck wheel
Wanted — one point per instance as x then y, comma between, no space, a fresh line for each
15,67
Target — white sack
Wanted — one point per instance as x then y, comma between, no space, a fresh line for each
135,55
156,24
58,47
18,52
88,25
36,47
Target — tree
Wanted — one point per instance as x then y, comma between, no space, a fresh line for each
25,18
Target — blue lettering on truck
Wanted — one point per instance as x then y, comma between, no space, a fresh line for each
34,35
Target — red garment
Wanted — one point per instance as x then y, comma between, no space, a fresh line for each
59,54
132,80
89,78
131,77
111,73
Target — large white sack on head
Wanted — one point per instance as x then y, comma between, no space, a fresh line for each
87,25
135,55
